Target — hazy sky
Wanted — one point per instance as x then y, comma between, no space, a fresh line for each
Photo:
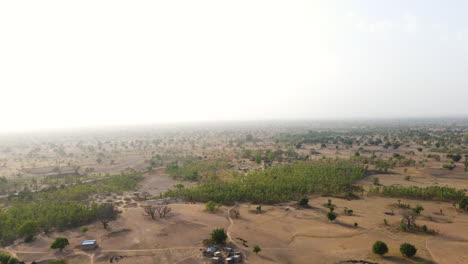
79,63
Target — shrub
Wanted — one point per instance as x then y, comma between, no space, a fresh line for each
304,202
59,243
408,250
454,157
211,206
259,209
218,236
418,209
463,203
256,249
348,211
380,248
376,181
331,216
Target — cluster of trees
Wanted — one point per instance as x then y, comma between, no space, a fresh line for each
197,170
31,212
157,209
384,165
268,156
280,183
425,193
155,161
114,184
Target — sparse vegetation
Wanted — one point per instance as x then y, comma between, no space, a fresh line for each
424,193
211,206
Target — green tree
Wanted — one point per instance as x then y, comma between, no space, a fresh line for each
380,248
256,249
455,158
59,243
218,236
408,250
211,206
106,213
418,209
463,203
28,229
331,216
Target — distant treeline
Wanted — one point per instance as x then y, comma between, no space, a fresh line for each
57,208
425,193
279,183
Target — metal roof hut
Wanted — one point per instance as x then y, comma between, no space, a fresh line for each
88,244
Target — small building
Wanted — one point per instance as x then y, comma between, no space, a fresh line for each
227,249
237,258
88,244
212,249
209,252
216,260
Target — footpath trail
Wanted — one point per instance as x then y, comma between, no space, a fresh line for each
228,232
15,253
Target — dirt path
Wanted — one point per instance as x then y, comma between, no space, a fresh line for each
317,236
228,232
191,256
150,249
430,252
91,256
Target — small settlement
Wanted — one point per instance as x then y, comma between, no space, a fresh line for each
222,255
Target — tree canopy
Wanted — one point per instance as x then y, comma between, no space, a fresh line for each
279,183
60,243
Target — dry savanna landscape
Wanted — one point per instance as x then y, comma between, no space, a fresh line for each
233,132
284,192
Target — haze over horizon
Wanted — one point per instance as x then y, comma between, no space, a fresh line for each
99,63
